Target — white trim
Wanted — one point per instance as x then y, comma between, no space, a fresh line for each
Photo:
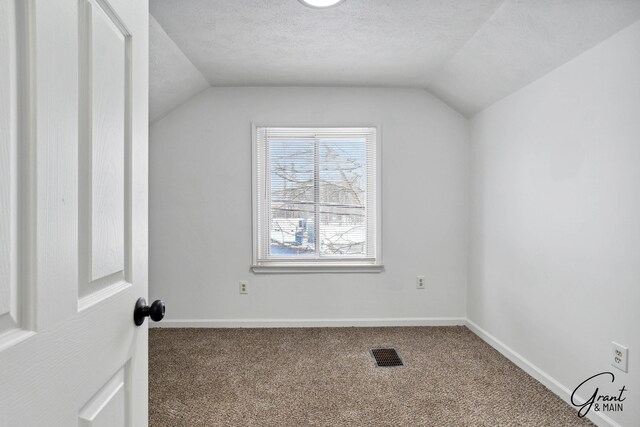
538,374
309,323
254,192
318,267
378,267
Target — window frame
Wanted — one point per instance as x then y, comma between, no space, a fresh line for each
346,265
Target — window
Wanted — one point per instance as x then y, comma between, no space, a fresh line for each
316,199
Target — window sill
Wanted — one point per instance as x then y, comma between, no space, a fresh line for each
284,268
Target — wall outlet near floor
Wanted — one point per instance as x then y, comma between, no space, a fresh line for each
619,356
244,287
420,282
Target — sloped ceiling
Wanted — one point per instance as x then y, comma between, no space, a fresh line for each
470,53
522,41
172,77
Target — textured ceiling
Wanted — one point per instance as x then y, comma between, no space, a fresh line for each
282,42
468,52
172,77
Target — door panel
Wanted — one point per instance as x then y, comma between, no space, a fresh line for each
73,212
9,301
109,406
14,164
109,74
105,125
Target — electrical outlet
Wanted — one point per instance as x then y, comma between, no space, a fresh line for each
420,282
619,356
244,287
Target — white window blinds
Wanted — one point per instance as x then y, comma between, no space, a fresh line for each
315,194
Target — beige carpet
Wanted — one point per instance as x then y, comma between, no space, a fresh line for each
326,377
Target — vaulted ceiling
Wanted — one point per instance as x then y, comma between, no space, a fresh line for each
172,77
470,53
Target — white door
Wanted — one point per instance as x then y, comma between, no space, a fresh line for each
73,212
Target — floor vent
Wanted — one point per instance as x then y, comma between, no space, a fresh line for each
386,357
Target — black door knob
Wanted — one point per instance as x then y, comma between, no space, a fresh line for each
142,310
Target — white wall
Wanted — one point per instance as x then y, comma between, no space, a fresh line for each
200,208
555,242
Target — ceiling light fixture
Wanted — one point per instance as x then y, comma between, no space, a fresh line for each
321,4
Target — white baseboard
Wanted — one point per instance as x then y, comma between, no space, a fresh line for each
309,323
545,379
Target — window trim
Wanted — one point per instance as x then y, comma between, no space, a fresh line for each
350,265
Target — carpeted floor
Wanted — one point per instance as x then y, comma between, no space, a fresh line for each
326,377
